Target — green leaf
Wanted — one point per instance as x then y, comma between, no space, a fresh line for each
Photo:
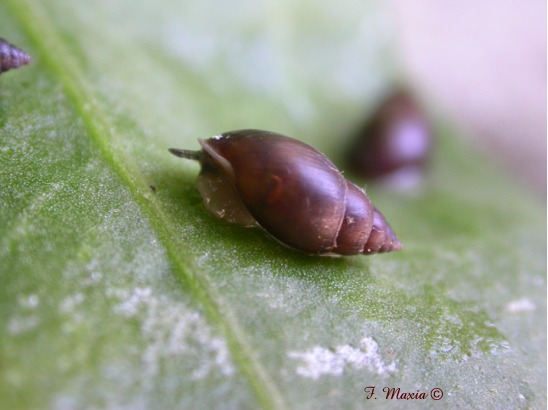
117,295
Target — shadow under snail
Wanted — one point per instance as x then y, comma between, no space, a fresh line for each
291,190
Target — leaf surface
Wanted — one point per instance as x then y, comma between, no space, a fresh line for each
118,290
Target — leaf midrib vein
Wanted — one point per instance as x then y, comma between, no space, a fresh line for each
57,59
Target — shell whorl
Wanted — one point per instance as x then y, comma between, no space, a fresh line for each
364,228
11,57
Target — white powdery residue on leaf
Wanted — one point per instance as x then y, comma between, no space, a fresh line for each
25,321
28,301
275,300
69,303
19,325
132,302
171,329
520,305
319,361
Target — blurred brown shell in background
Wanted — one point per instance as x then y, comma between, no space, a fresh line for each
394,145
11,57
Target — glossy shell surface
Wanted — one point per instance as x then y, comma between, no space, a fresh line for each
293,191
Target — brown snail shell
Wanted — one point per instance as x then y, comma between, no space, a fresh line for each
11,57
393,147
293,191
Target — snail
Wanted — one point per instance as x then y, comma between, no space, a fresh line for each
11,57
291,190
394,145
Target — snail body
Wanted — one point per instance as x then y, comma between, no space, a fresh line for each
293,191
11,56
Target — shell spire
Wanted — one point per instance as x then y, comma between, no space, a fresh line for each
11,57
